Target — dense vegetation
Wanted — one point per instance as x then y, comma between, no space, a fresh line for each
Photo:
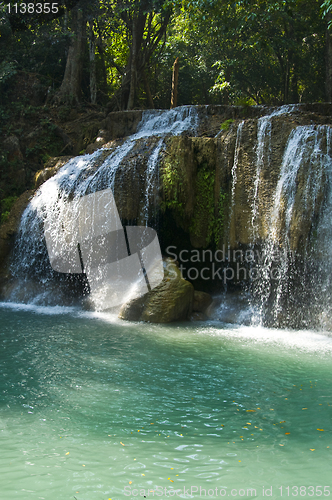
119,54
122,52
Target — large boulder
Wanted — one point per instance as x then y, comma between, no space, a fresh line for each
170,301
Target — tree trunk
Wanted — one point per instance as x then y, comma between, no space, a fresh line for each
133,61
70,90
295,98
174,96
328,83
148,91
102,58
143,42
92,55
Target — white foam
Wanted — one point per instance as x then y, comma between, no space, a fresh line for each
304,340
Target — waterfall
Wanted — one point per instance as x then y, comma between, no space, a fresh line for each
294,279
234,176
263,156
65,212
279,210
152,180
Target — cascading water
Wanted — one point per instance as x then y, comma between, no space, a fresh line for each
152,180
234,173
296,215
236,159
294,281
59,199
263,154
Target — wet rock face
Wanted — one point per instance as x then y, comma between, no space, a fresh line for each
215,190
122,123
8,231
222,190
171,300
211,185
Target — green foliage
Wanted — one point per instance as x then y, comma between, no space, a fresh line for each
244,52
244,101
203,221
6,206
7,71
226,124
219,226
172,185
44,142
63,112
207,219
249,52
327,9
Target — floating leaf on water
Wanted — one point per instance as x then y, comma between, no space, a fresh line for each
322,430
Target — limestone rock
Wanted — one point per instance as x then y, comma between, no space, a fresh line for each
170,301
202,301
101,140
123,123
51,168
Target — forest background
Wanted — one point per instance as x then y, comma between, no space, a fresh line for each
116,55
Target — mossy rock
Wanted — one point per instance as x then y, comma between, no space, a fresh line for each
171,300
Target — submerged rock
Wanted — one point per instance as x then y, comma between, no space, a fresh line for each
171,300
